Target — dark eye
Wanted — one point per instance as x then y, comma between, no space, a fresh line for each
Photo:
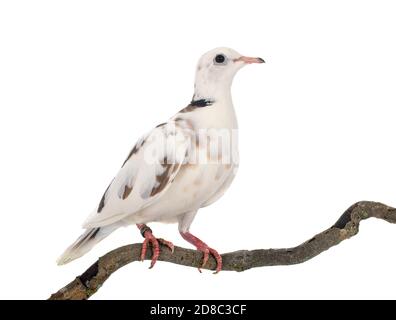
220,59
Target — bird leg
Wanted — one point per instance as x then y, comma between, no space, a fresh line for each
202,246
148,236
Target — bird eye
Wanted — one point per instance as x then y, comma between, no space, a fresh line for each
220,59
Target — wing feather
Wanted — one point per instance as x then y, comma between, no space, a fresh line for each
145,176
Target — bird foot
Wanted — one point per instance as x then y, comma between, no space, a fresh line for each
206,251
203,247
149,238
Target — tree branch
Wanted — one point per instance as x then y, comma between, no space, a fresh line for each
346,227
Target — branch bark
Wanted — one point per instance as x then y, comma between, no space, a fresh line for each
346,227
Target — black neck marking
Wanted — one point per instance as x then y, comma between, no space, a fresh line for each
201,103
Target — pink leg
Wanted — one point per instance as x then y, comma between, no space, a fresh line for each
149,238
202,246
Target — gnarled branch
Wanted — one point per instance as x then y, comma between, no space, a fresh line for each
346,227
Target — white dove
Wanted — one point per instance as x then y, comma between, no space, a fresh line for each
179,167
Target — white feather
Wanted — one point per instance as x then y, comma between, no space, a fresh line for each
145,189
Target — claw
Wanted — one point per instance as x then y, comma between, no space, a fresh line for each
218,258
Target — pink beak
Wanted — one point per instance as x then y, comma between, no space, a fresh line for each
249,60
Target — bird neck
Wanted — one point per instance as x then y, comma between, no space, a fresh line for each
211,90
215,101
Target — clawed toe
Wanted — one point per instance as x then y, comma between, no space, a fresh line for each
202,246
168,244
216,255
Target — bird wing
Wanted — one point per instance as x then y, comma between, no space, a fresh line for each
145,176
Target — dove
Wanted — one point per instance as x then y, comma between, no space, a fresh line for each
182,165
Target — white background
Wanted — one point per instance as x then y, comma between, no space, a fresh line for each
80,81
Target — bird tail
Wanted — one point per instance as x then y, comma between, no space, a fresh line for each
86,242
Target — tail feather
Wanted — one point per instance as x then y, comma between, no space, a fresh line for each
85,243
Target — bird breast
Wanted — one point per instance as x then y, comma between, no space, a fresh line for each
211,161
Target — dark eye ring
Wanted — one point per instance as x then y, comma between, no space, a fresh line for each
220,59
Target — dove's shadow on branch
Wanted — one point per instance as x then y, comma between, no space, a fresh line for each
347,226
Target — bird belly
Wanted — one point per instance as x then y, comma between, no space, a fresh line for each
192,187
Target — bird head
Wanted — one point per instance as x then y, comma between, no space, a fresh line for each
216,70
